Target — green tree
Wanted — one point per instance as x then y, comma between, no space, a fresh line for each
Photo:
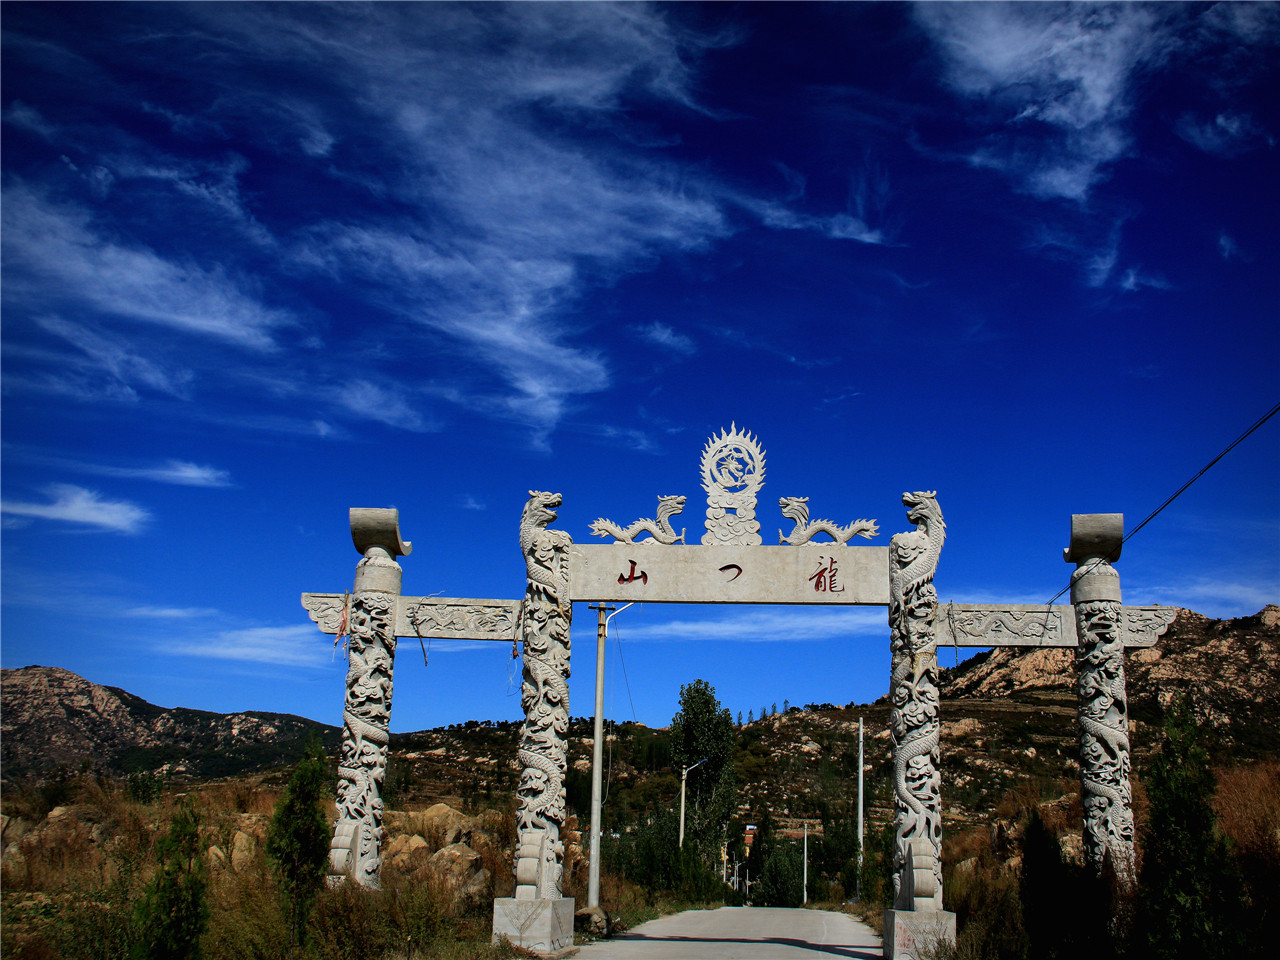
781,881
761,847
837,854
298,839
1190,900
702,729
172,913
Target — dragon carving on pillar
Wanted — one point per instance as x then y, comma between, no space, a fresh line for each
357,841
1103,729
545,619
913,691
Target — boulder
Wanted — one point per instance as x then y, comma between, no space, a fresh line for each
216,858
591,920
460,871
15,828
450,825
15,864
242,850
407,851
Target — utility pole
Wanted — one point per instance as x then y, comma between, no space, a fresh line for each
597,748
683,775
858,883
805,888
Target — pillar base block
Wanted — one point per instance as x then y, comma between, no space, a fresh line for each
914,934
544,927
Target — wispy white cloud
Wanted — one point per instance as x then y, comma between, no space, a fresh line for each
1213,597
180,472
1224,135
296,646
468,502
371,401
124,366
26,117
1135,279
1064,68
662,335
766,625
84,508
170,613
1097,256
55,258
1228,247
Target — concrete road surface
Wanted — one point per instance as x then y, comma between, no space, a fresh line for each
741,933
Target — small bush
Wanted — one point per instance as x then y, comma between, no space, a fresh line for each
298,840
351,922
172,913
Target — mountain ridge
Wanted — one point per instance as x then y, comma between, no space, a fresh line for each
55,720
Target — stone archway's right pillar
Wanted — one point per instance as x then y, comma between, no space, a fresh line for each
1101,701
917,923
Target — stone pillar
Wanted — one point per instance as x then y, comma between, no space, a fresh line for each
538,918
1102,704
370,626
917,922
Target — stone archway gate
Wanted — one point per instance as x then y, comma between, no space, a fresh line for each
732,565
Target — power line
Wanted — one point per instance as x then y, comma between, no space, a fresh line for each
1182,489
626,680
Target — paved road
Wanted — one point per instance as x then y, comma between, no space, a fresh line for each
742,933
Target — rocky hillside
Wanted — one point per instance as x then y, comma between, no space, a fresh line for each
1230,667
54,720
1008,728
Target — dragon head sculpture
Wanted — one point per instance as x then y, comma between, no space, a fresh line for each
540,510
669,506
922,507
795,508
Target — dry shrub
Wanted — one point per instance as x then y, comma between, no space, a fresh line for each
241,796
1248,807
957,847
1247,803
245,918
495,841
1026,795
352,923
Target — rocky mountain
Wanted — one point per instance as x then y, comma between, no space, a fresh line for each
55,721
1008,726
1231,669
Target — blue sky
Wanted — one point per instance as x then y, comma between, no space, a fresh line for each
262,263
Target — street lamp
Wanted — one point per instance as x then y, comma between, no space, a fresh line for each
683,775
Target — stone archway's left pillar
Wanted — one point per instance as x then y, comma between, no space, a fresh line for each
538,918
356,850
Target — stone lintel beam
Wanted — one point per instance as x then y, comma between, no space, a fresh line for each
437,618
1013,625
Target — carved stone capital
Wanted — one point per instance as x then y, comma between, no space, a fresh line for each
378,527
1095,535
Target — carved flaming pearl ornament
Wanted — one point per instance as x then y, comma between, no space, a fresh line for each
732,475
